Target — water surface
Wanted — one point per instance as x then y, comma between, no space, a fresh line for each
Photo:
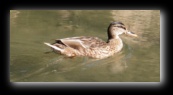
32,61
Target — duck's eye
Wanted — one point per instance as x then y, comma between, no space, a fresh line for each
123,28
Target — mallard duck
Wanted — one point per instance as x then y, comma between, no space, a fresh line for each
92,46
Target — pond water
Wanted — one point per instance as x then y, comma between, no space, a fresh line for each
32,61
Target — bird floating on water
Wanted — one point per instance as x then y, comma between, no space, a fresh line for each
93,46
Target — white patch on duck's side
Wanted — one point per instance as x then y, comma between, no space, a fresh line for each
54,47
76,42
72,38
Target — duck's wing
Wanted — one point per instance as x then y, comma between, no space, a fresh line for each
81,42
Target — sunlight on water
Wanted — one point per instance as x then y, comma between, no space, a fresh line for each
32,61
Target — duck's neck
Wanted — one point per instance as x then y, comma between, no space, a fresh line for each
113,38
115,43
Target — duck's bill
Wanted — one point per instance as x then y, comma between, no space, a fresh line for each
131,34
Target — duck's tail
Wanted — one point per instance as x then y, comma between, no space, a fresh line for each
54,47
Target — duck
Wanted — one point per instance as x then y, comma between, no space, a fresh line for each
93,47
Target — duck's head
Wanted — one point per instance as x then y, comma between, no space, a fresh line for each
117,28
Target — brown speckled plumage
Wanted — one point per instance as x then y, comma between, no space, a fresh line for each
92,46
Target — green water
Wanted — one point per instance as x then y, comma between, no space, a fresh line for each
32,61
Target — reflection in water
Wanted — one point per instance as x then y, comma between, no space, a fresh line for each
115,64
138,61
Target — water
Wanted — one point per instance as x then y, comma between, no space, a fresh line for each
32,61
